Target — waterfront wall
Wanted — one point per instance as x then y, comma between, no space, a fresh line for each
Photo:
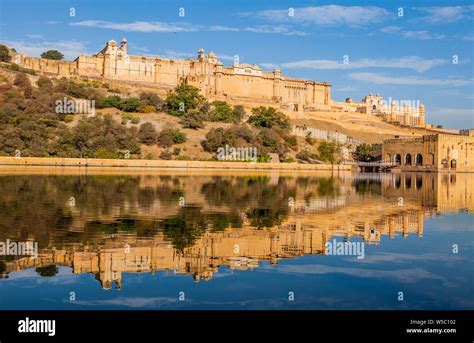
166,164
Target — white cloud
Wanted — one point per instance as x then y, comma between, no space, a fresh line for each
329,15
448,14
70,49
223,28
275,29
381,79
408,62
139,26
421,34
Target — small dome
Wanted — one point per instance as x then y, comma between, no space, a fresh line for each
124,40
201,50
211,54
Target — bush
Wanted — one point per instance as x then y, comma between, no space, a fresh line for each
14,67
22,81
150,99
4,54
165,155
147,109
110,101
135,120
192,121
269,118
44,83
68,118
305,155
169,136
292,142
233,136
309,139
129,105
147,134
239,113
176,150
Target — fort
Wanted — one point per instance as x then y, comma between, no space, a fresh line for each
238,84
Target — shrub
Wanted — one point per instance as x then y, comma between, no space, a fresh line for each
147,134
22,81
192,121
110,101
305,155
44,83
68,118
4,54
129,105
150,99
165,155
292,142
169,136
147,109
135,120
239,113
176,150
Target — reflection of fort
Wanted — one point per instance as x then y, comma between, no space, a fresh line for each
394,205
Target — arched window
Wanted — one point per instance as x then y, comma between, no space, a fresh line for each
408,160
398,159
453,164
419,160
444,163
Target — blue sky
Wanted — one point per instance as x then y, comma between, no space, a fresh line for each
408,57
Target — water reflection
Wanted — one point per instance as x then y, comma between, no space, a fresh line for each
110,225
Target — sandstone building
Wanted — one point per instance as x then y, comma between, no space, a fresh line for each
436,152
240,83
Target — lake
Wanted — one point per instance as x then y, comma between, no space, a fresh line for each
163,239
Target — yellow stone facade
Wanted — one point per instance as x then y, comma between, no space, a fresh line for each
238,83
436,152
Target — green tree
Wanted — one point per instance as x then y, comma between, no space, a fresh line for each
4,54
52,55
269,117
328,151
365,152
183,99
222,112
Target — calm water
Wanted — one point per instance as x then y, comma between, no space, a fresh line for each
181,240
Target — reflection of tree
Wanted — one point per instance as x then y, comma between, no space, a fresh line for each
265,205
48,271
183,229
327,187
367,187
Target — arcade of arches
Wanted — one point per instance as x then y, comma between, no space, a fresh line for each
437,152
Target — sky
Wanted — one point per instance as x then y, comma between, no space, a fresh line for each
410,50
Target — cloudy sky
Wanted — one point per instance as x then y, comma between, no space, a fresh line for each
415,50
